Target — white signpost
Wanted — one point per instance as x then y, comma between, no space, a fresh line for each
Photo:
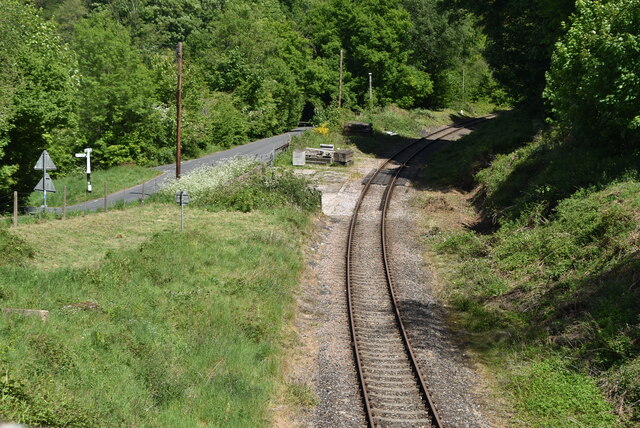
87,154
45,184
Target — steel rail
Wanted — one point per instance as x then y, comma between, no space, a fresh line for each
422,384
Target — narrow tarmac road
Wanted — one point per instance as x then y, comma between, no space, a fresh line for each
261,149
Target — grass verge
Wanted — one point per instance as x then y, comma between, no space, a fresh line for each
117,178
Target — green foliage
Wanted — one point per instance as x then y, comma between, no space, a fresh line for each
104,74
252,51
212,122
520,39
445,41
375,37
465,244
594,81
120,117
37,92
553,267
264,191
551,394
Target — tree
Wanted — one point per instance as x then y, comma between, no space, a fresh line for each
594,82
121,116
37,101
521,35
252,52
375,36
445,41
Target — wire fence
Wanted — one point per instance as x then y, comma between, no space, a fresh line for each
15,208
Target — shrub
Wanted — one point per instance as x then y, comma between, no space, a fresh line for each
202,181
595,75
264,191
214,121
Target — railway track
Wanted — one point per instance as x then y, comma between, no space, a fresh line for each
394,391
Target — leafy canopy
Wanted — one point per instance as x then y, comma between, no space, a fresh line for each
594,82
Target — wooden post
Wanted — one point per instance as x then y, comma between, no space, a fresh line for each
340,90
15,209
105,197
370,93
142,197
64,202
179,113
463,94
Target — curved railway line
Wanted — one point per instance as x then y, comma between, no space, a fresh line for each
394,390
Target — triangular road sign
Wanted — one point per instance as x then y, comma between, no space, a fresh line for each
46,160
48,184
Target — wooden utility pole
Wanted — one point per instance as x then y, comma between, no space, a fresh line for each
463,94
370,92
179,113
340,90
15,209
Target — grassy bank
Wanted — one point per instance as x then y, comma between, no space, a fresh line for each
542,270
156,328
117,178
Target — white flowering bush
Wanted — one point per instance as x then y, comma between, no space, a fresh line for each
205,179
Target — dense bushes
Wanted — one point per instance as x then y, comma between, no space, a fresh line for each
262,191
594,81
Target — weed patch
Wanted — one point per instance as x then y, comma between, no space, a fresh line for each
13,250
551,394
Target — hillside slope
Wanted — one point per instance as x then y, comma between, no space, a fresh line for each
545,270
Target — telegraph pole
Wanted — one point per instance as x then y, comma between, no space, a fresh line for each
370,93
179,113
340,91
463,94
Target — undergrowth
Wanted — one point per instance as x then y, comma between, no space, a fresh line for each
234,186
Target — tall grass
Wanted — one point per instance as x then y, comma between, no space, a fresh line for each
188,329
